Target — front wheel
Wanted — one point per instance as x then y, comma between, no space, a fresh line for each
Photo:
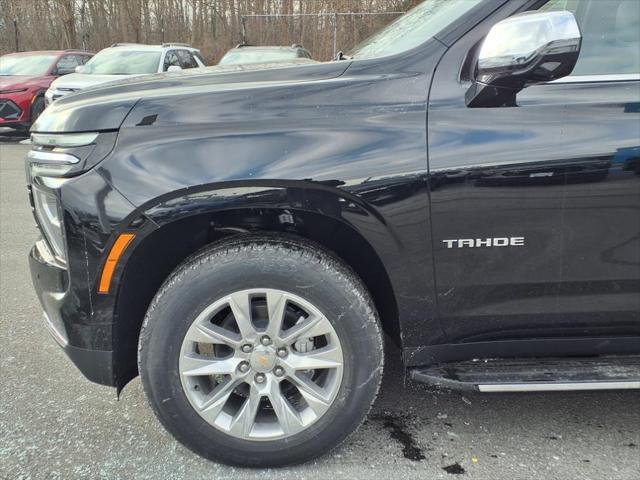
262,352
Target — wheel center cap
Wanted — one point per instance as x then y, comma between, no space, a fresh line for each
263,359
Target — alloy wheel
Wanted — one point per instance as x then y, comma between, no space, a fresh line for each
261,364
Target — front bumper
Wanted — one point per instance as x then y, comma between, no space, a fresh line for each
52,287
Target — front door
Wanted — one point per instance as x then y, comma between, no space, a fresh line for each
536,208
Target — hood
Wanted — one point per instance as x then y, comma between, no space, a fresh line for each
105,107
11,82
79,81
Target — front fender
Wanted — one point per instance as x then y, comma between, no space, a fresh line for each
379,213
295,195
350,147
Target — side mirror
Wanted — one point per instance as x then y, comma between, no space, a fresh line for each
79,69
174,68
522,50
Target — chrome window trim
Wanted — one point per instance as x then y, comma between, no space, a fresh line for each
621,77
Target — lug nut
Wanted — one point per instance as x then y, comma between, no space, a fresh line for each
278,371
265,341
243,367
259,378
246,348
282,352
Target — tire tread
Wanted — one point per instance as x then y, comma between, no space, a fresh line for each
306,251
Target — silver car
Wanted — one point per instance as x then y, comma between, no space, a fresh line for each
123,60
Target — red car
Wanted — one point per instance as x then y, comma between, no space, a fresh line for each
25,76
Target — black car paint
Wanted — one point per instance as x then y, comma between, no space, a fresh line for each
560,170
347,142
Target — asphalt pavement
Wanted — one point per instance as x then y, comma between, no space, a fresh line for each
55,424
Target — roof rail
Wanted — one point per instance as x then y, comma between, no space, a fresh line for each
176,44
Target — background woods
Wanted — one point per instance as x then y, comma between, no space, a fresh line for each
214,26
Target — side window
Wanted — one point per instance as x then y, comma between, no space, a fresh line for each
186,59
67,64
610,35
170,60
82,59
199,56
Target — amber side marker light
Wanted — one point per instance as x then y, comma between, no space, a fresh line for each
116,252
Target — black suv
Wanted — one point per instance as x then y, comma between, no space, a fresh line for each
466,181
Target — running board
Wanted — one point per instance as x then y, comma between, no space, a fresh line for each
535,375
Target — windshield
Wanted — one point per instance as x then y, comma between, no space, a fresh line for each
236,57
123,62
413,28
25,64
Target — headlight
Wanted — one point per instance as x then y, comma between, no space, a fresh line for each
14,90
67,154
54,156
48,214
51,164
63,140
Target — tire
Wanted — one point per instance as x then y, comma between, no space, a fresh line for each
330,342
36,109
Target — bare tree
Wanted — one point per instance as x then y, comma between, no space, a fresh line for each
214,26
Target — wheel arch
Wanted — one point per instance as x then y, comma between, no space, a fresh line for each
188,223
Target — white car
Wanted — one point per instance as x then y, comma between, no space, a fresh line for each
123,60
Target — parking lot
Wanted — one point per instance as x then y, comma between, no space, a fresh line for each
55,424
